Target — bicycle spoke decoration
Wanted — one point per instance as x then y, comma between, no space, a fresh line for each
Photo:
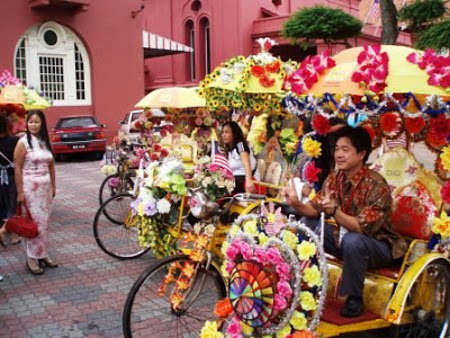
277,278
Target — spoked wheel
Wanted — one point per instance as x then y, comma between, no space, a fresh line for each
107,191
151,314
428,304
115,228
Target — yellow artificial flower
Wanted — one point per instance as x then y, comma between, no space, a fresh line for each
307,301
210,331
441,225
312,276
285,331
306,250
140,209
251,228
298,321
312,195
246,329
223,271
224,247
234,230
257,107
445,157
290,239
312,148
262,238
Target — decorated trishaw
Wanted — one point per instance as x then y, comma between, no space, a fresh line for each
246,266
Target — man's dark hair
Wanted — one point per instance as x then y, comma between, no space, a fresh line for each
359,138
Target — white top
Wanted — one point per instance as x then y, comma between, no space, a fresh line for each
234,159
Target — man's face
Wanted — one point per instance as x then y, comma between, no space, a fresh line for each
346,155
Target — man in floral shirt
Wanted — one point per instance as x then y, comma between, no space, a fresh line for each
359,201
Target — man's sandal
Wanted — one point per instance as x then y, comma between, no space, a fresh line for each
48,262
34,271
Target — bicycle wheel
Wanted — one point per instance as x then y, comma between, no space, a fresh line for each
114,228
149,314
106,191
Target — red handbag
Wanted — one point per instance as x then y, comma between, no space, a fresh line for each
23,225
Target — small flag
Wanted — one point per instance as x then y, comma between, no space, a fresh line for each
374,11
219,158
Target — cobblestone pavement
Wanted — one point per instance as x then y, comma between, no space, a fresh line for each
85,295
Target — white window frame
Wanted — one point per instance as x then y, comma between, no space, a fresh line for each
35,47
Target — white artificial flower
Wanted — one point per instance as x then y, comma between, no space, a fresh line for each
146,195
163,206
207,181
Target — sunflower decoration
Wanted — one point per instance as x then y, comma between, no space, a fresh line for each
277,277
251,83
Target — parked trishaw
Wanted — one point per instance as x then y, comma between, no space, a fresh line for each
248,267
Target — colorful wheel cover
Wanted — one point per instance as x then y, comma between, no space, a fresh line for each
251,291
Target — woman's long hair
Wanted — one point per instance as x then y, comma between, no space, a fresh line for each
43,133
238,135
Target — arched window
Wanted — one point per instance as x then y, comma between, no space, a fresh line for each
190,41
52,58
205,47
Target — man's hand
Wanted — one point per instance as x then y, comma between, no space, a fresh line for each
290,194
328,205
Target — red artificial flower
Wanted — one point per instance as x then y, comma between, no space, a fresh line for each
321,124
164,152
267,45
445,192
415,125
388,122
266,81
156,147
257,71
273,67
439,128
311,172
223,308
154,157
163,132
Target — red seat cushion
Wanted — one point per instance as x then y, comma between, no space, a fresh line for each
332,310
390,272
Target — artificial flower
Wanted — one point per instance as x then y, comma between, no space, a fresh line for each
279,302
284,332
298,321
306,250
140,209
233,250
108,169
441,225
311,172
188,269
284,289
223,308
307,301
225,247
283,271
260,255
321,124
274,256
210,330
246,251
234,230
163,206
440,128
445,192
235,327
150,208
415,125
311,276
290,239
445,158
388,122
311,147
262,238
251,228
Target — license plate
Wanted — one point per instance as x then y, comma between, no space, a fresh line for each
79,146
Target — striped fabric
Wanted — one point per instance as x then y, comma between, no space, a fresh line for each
219,158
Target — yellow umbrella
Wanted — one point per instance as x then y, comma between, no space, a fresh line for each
172,97
403,76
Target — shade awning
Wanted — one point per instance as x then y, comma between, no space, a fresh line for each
156,45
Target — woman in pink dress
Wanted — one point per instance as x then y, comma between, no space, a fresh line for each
35,182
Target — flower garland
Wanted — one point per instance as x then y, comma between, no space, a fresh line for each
292,270
436,66
159,195
306,75
373,69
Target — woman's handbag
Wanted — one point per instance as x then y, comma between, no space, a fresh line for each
23,225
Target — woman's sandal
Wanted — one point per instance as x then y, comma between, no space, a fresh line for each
38,271
48,262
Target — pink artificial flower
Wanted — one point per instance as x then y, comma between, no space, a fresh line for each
260,255
213,167
279,303
274,256
232,251
284,271
229,266
445,192
235,327
246,251
284,289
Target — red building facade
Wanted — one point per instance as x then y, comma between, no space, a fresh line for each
101,56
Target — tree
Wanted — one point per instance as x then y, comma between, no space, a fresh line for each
429,22
389,22
334,26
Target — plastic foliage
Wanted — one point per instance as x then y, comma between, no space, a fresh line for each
288,141
158,205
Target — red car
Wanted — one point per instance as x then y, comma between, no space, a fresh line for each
78,134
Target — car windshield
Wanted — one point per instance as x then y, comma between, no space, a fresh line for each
73,122
135,116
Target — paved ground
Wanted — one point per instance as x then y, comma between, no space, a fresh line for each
84,296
